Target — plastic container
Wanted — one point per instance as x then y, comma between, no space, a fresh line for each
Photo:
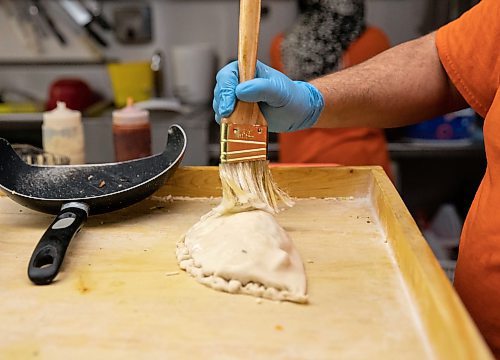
459,125
134,79
194,70
62,133
131,133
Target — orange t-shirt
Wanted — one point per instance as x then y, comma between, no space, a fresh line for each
469,49
353,146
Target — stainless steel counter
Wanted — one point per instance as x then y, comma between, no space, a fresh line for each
99,135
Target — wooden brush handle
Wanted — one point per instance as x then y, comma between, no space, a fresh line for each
248,113
248,38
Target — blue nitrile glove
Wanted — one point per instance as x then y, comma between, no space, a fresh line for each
287,105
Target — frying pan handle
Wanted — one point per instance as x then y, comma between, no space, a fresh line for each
49,253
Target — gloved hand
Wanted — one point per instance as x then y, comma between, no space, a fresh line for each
287,105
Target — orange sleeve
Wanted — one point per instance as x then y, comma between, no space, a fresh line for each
469,49
276,60
371,42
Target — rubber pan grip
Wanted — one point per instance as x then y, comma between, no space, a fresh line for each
49,253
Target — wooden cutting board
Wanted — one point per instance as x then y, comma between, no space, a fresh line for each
121,295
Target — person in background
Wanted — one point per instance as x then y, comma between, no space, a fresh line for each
327,36
442,72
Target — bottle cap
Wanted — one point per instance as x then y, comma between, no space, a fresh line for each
62,116
130,115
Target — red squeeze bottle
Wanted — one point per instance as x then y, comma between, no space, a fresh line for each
131,132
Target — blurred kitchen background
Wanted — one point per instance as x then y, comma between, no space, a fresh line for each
165,53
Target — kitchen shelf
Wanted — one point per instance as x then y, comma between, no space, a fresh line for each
400,150
57,62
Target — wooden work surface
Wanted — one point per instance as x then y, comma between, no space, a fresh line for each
121,295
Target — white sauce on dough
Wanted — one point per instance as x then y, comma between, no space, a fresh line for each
246,252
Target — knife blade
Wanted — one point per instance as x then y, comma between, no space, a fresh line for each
95,9
50,23
83,18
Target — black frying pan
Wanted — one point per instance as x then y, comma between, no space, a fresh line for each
74,192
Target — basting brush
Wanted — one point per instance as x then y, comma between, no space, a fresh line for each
246,179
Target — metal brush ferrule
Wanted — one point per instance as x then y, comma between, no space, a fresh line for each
241,142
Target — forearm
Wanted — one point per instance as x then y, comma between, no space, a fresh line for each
401,86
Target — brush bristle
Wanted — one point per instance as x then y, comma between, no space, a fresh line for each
249,185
